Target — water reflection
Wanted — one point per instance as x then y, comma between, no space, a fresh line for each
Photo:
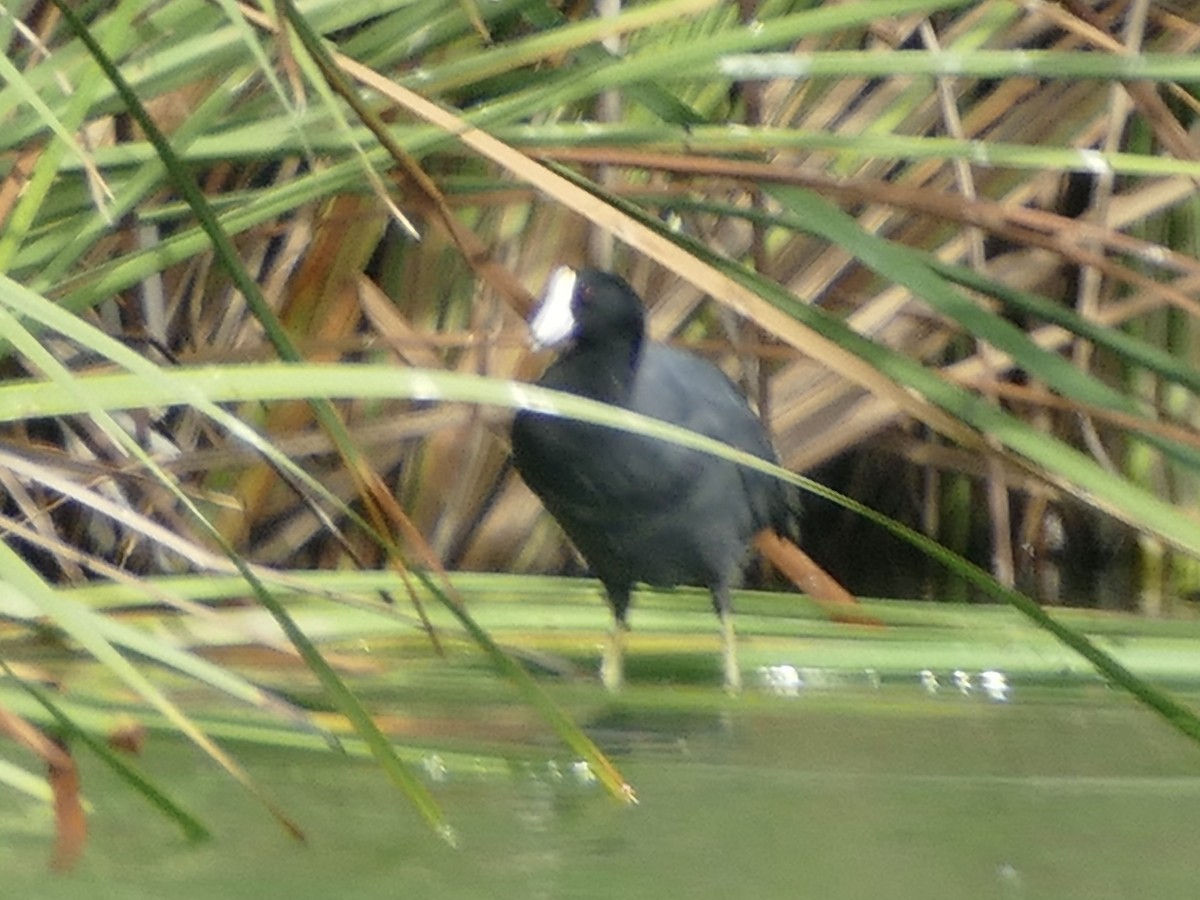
434,767
786,680
783,680
995,685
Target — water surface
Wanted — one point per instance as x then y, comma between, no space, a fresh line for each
842,792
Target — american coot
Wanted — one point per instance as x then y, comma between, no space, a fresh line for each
639,509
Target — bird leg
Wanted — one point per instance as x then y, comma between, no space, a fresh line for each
723,604
733,673
612,664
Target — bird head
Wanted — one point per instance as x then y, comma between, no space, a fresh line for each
587,307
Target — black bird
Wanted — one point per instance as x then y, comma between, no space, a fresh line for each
640,509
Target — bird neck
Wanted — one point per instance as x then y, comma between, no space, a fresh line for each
607,375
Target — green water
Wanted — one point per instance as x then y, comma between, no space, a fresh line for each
857,793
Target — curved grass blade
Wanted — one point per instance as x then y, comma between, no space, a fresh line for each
977,63
289,382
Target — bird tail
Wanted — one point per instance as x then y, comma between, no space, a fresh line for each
810,578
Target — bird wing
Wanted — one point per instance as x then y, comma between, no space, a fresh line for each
690,392
694,394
